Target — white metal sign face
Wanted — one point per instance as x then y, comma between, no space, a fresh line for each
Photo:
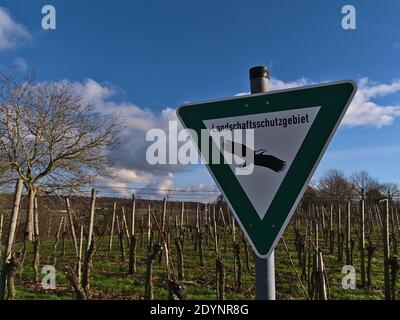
277,140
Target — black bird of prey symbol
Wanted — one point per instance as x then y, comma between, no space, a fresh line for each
261,158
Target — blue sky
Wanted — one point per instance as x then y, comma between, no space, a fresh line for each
155,55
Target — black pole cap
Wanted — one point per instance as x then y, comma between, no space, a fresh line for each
259,72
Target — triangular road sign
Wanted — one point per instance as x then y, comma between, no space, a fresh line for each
292,129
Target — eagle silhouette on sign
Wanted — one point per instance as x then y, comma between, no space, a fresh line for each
261,157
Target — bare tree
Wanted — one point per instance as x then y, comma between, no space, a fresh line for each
391,190
335,186
363,183
50,137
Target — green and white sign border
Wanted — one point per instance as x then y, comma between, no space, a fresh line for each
272,98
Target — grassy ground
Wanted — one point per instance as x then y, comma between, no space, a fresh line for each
111,281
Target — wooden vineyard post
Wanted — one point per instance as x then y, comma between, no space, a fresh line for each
219,264
339,235
196,229
112,226
182,216
141,231
133,241
162,230
348,234
324,233
148,226
80,255
397,220
200,237
393,232
59,231
163,215
63,236
72,228
49,226
234,251
362,241
179,242
322,278
121,243
125,225
1,233
331,232
386,249
91,221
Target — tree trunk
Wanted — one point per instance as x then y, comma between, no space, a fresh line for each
246,254
220,281
132,255
238,272
178,243
121,241
11,271
394,268
29,223
201,251
10,238
73,278
28,236
370,250
36,243
149,272
87,265
176,290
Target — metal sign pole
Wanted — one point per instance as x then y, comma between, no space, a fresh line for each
265,268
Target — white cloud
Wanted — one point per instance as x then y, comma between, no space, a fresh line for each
276,84
364,111
93,92
131,167
116,188
131,176
12,34
166,183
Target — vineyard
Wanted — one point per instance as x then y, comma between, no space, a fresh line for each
136,248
